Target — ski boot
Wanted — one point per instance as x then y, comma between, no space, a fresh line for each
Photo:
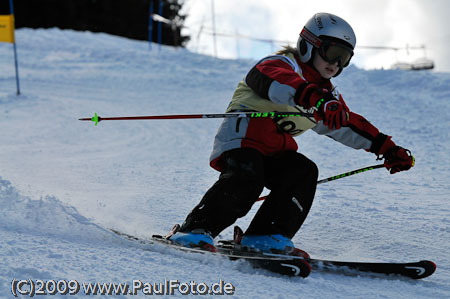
268,243
197,238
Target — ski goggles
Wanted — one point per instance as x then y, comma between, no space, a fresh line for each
333,52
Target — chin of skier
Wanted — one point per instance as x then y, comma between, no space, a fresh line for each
253,153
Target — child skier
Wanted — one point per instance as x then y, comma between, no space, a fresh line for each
253,153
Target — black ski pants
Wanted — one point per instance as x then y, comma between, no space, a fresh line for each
290,176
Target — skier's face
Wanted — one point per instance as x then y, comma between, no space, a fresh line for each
325,69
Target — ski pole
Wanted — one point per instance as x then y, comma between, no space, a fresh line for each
96,119
349,173
342,175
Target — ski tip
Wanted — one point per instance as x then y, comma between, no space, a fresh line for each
420,270
430,265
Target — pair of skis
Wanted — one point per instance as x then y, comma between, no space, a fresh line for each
297,265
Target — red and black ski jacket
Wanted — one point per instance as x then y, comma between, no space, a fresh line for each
281,83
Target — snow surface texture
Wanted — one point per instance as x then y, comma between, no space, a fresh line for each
64,183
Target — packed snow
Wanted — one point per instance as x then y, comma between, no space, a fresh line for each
65,183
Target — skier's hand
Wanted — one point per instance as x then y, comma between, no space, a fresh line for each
333,112
398,159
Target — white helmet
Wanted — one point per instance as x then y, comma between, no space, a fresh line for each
326,27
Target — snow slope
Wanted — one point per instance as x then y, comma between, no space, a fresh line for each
64,183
